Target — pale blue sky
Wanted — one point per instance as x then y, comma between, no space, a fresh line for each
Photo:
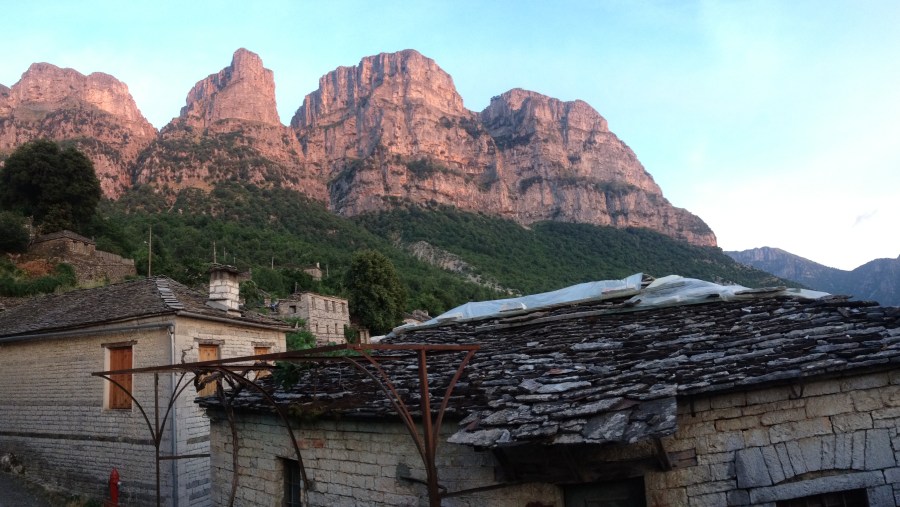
774,121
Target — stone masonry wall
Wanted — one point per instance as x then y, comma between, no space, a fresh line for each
740,449
52,412
757,447
354,463
193,475
325,316
91,265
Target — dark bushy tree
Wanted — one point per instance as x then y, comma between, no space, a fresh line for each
13,234
56,186
377,297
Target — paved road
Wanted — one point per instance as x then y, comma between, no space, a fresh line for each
18,492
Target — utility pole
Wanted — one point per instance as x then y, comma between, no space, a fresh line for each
150,254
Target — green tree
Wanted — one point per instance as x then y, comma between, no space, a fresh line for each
377,297
58,187
13,235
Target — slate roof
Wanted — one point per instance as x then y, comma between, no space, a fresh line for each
607,371
118,302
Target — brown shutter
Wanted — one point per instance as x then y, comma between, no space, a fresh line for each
258,351
120,358
208,353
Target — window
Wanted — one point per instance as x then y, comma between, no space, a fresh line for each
293,308
120,358
208,353
293,483
853,498
258,351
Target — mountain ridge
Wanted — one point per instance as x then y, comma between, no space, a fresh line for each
391,129
877,280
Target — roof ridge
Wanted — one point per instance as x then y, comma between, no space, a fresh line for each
167,294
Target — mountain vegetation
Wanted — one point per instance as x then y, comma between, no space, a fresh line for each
56,186
275,233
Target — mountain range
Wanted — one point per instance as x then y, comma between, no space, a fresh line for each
391,130
877,280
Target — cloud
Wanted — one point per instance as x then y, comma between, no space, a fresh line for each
864,217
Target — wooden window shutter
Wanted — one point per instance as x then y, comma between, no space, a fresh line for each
120,358
208,353
258,351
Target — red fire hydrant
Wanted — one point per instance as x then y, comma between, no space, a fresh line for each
113,488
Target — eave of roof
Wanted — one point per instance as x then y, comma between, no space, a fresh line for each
115,304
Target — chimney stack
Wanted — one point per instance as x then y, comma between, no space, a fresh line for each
224,288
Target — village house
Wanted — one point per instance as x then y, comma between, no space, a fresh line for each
70,429
91,265
680,393
325,316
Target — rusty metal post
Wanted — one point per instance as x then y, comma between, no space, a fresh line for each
157,436
434,494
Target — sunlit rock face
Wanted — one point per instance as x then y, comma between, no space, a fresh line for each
229,130
96,112
388,131
394,129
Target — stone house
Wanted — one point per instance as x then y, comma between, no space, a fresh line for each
71,429
762,398
325,316
91,265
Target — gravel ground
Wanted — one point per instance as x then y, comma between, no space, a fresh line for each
16,491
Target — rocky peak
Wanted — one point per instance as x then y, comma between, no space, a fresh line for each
95,111
383,80
520,109
46,88
245,90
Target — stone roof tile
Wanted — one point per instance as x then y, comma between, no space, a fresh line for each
118,302
602,372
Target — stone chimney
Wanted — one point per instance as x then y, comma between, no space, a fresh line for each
224,288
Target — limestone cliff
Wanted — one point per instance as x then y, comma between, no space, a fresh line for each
394,128
229,130
96,112
391,129
566,165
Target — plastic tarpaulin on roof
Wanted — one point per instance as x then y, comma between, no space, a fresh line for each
573,294
674,290
669,290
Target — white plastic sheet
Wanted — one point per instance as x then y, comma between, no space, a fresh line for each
669,290
674,290
573,294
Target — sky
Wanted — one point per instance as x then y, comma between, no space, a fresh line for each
774,121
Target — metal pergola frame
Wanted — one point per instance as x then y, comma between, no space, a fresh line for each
234,371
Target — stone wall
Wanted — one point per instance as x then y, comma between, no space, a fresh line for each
325,316
756,447
52,411
91,265
740,449
193,476
353,464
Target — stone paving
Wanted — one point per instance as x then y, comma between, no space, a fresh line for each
15,491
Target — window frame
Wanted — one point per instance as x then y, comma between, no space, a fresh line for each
293,483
